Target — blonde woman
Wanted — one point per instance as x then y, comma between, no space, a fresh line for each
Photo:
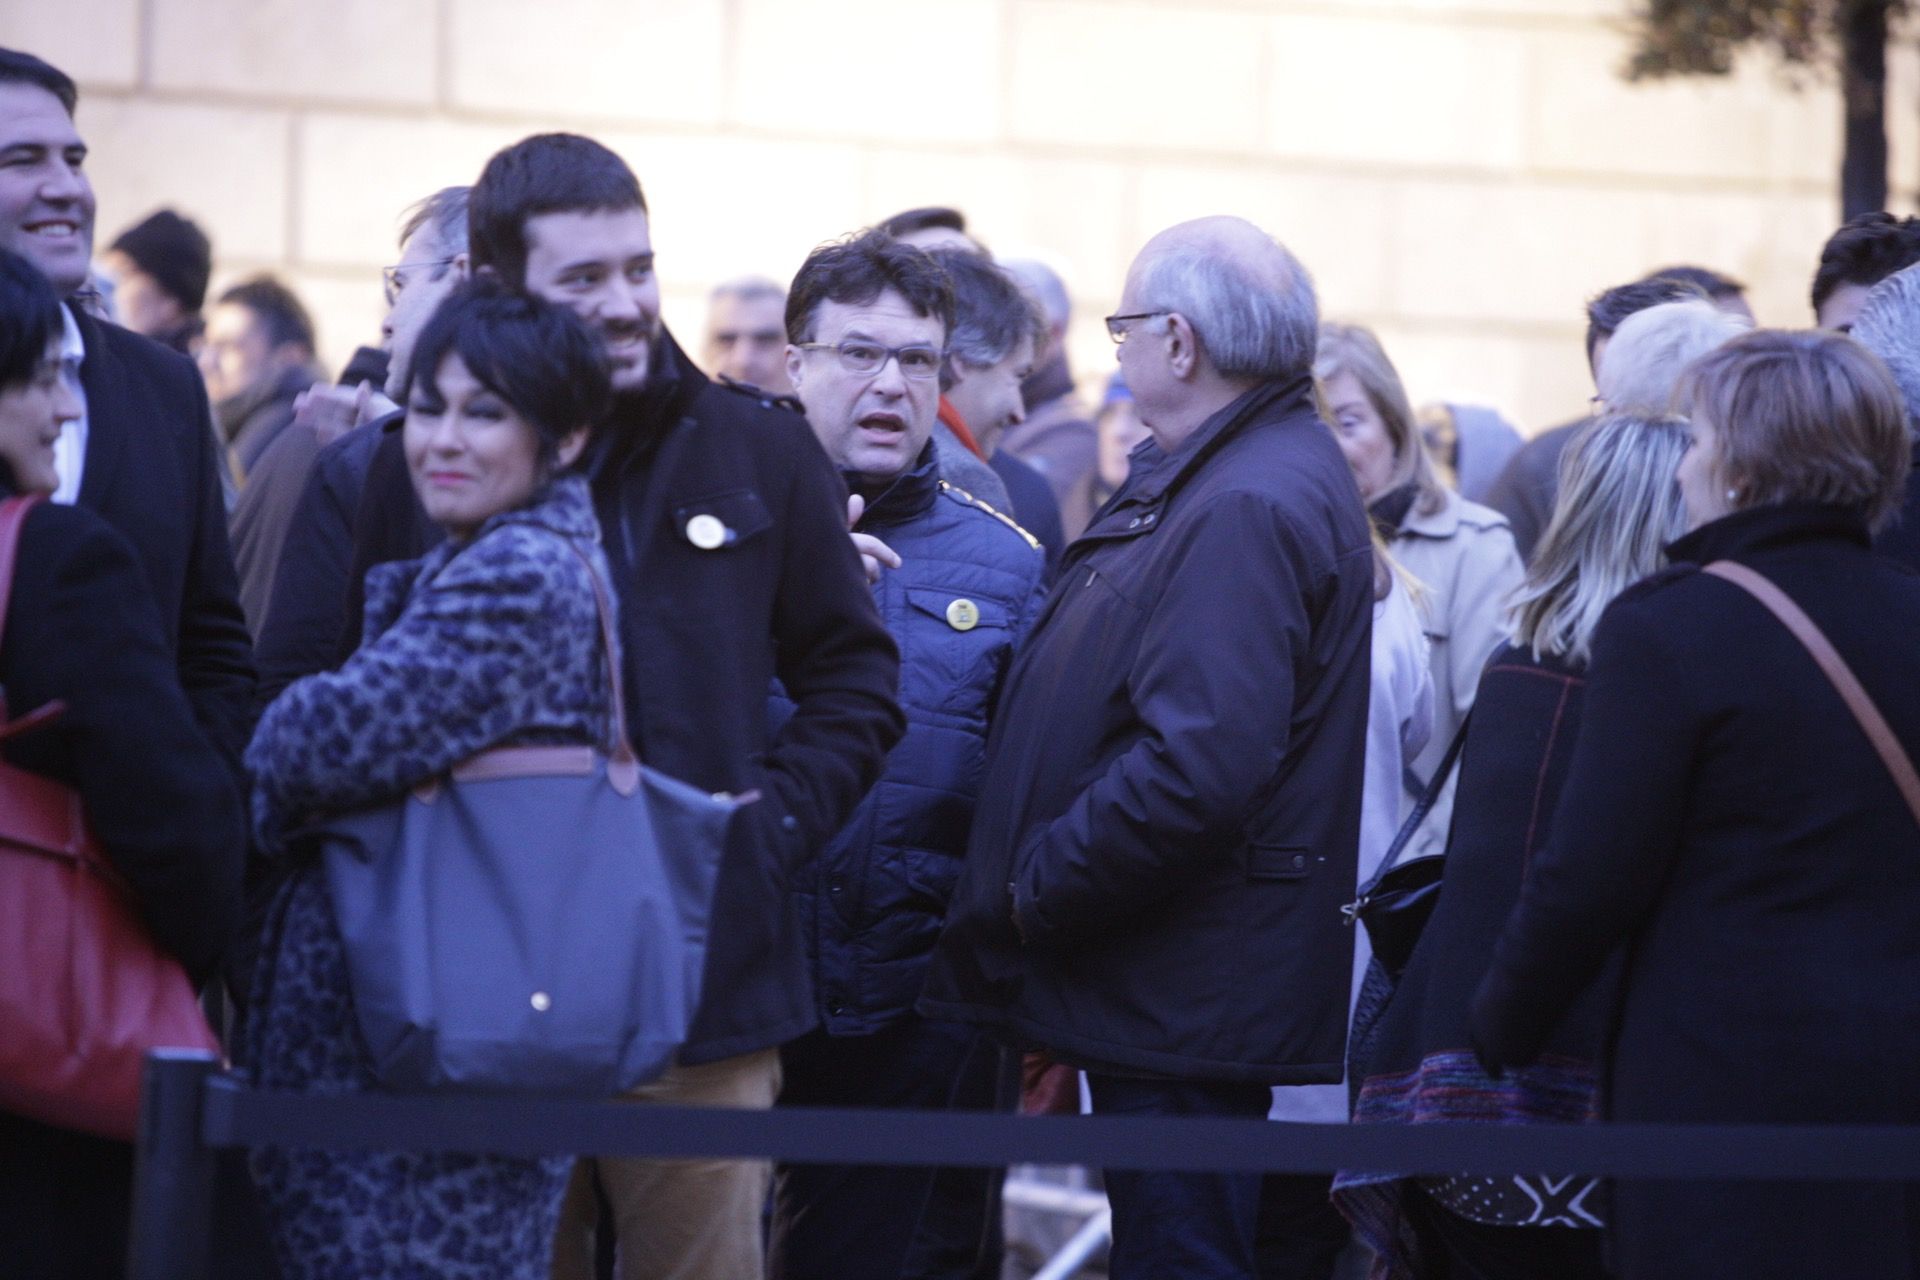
1618,506
1460,552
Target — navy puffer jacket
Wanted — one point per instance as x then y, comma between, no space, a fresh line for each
967,590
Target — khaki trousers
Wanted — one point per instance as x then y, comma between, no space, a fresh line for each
678,1219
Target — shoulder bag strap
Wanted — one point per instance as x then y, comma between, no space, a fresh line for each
1878,732
623,765
13,515
1424,805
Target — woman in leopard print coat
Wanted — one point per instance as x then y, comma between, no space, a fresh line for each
492,638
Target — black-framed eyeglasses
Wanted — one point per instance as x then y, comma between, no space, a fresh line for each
917,362
394,279
1117,326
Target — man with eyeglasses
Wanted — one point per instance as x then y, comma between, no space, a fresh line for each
869,321
1170,815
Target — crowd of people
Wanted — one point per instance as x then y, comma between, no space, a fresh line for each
1062,732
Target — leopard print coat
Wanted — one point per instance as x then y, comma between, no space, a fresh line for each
491,642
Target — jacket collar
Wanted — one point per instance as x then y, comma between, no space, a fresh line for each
638,421
232,413
1764,528
908,497
1156,472
1442,522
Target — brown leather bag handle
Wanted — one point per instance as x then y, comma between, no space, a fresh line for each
1878,732
623,765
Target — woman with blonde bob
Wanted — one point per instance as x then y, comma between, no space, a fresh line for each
1617,509
1460,552
1729,828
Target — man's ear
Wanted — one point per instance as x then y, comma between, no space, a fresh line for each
794,365
1183,347
463,266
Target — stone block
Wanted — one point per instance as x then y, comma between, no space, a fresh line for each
357,174
225,167
370,51
730,206
1088,74
617,59
1381,90
1506,252
870,69
1340,227
97,42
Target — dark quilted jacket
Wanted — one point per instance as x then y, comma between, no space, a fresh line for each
872,904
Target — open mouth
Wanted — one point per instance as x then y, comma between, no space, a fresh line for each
884,426
53,229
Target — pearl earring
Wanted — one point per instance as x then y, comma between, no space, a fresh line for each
1733,495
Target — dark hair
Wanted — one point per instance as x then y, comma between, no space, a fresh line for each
1708,281
859,269
1607,309
1866,249
275,306
538,357
23,68
174,251
546,173
933,215
29,319
991,312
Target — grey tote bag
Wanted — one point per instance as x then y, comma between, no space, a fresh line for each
535,920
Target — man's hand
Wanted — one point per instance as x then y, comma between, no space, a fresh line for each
874,554
332,411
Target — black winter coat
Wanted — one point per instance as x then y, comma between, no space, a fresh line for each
81,627
150,471
1727,822
1173,782
962,600
704,633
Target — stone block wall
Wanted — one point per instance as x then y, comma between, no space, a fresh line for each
1460,173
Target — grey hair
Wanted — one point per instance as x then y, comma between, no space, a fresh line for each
991,312
446,212
1641,367
1046,286
1618,508
1889,326
1253,324
748,288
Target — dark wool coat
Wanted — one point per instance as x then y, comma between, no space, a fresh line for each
1420,1067
150,470
81,626
1727,822
1173,784
961,601
705,631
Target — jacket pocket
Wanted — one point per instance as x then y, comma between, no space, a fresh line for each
1278,862
721,521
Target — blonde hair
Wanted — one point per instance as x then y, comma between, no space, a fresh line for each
1352,348
1619,506
1804,417
1651,349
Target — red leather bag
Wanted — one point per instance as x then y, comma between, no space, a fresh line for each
84,990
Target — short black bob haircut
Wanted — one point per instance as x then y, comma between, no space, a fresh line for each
859,269
23,68
30,319
546,173
536,356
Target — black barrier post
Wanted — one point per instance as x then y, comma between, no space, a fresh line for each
172,1170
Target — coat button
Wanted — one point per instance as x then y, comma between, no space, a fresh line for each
790,823
836,885
963,615
541,1002
1299,861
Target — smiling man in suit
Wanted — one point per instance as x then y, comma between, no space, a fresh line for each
141,454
